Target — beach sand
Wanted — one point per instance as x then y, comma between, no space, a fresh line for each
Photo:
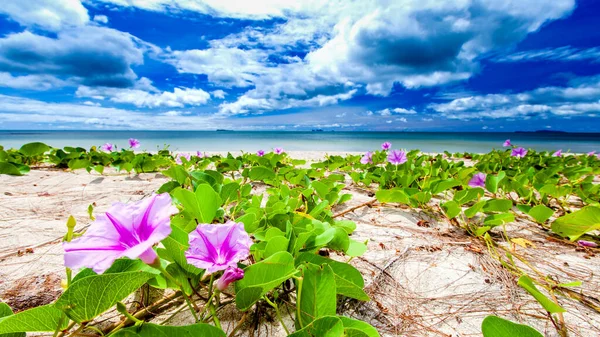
426,276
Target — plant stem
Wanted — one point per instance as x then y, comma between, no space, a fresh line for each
298,298
60,323
278,314
185,296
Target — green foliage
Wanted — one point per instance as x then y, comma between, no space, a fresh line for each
493,326
38,319
153,330
576,224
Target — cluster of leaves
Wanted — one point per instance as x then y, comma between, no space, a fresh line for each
294,228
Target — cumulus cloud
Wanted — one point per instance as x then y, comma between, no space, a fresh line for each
88,55
24,110
101,18
218,94
30,82
367,46
177,98
580,98
52,15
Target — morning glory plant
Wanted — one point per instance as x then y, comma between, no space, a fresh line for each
134,143
519,152
478,180
230,275
507,143
125,230
557,153
278,150
108,147
260,153
218,247
397,157
386,146
367,158
187,156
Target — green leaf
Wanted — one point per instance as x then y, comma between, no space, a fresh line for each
498,219
10,169
576,224
541,213
262,277
202,205
153,330
357,328
176,244
356,248
317,294
493,326
473,210
262,173
393,195
93,295
5,311
451,208
491,181
34,149
527,283
470,194
43,318
330,326
497,205
178,173
75,164
348,280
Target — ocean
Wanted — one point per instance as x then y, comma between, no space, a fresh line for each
307,141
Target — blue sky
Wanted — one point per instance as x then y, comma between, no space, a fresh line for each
381,65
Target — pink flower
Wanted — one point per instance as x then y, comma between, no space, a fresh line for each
278,150
217,247
187,156
519,152
108,147
478,180
397,157
557,153
507,143
587,243
134,143
200,154
260,153
591,153
125,230
367,158
386,146
230,275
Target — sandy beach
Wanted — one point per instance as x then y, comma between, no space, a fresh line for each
425,276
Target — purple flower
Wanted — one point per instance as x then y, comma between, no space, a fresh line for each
217,247
278,150
108,147
367,158
134,143
397,157
478,180
126,230
200,154
187,156
587,243
230,275
518,152
386,146
557,153
507,143
591,153
260,153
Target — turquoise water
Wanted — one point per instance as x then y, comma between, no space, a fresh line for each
306,141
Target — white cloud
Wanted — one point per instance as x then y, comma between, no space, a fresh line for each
566,53
101,18
174,113
404,111
219,94
30,82
177,98
18,110
90,103
402,119
52,15
342,115
580,98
